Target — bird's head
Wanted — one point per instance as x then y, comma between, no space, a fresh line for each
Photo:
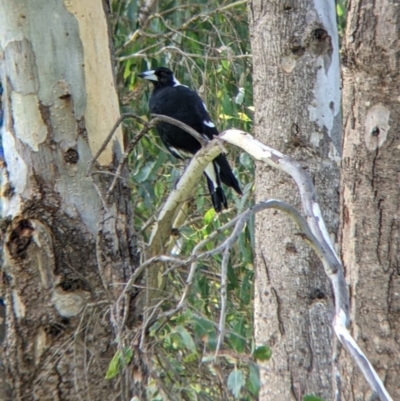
160,77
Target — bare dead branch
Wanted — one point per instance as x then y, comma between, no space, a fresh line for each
311,209
145,11
184,26
312,226
183,126
183,191
127,152
339,325
110,135
174,49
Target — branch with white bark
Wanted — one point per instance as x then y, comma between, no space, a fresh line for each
312,226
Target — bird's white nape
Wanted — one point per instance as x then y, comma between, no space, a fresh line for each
176,82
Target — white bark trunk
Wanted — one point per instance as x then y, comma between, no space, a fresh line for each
64,249
297,101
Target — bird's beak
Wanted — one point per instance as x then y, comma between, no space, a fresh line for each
150,75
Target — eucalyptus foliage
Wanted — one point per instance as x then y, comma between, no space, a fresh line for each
206,44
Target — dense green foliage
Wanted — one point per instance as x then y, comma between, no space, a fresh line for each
207,46
341,15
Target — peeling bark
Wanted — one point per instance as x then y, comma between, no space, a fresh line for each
371,191
64,248
296,94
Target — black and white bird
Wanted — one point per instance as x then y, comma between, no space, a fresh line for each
172,99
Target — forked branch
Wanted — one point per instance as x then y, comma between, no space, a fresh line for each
312,226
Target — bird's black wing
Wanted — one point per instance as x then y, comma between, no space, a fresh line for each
180,103
210,131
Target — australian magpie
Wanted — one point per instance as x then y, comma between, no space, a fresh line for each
172,99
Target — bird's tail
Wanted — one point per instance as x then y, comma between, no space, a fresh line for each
214,185
225,172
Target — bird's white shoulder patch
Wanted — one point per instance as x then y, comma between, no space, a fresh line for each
205,107
209,124
177,83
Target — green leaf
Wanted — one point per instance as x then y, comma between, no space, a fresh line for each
204,287
186,338
144,172
118,361
128,354
159,188
114,365
310,397
232,278
225,64
237,338
242,202
339,10
246,160
254,379
246,288
243,117
228,106
209,216
206,331
202,326
127,70
236,382
225,117
208,359
132,11
192,357
245,250
262,353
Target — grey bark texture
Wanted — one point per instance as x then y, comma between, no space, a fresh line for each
370,195
66,252
297,101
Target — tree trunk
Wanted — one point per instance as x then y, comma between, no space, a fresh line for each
370,190
65,248
297,102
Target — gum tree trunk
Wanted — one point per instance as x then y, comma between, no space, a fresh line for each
370,196
66,252
297,102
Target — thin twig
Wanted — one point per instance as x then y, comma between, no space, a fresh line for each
183,126
128,150
174,49
110,135
143,266
185,25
